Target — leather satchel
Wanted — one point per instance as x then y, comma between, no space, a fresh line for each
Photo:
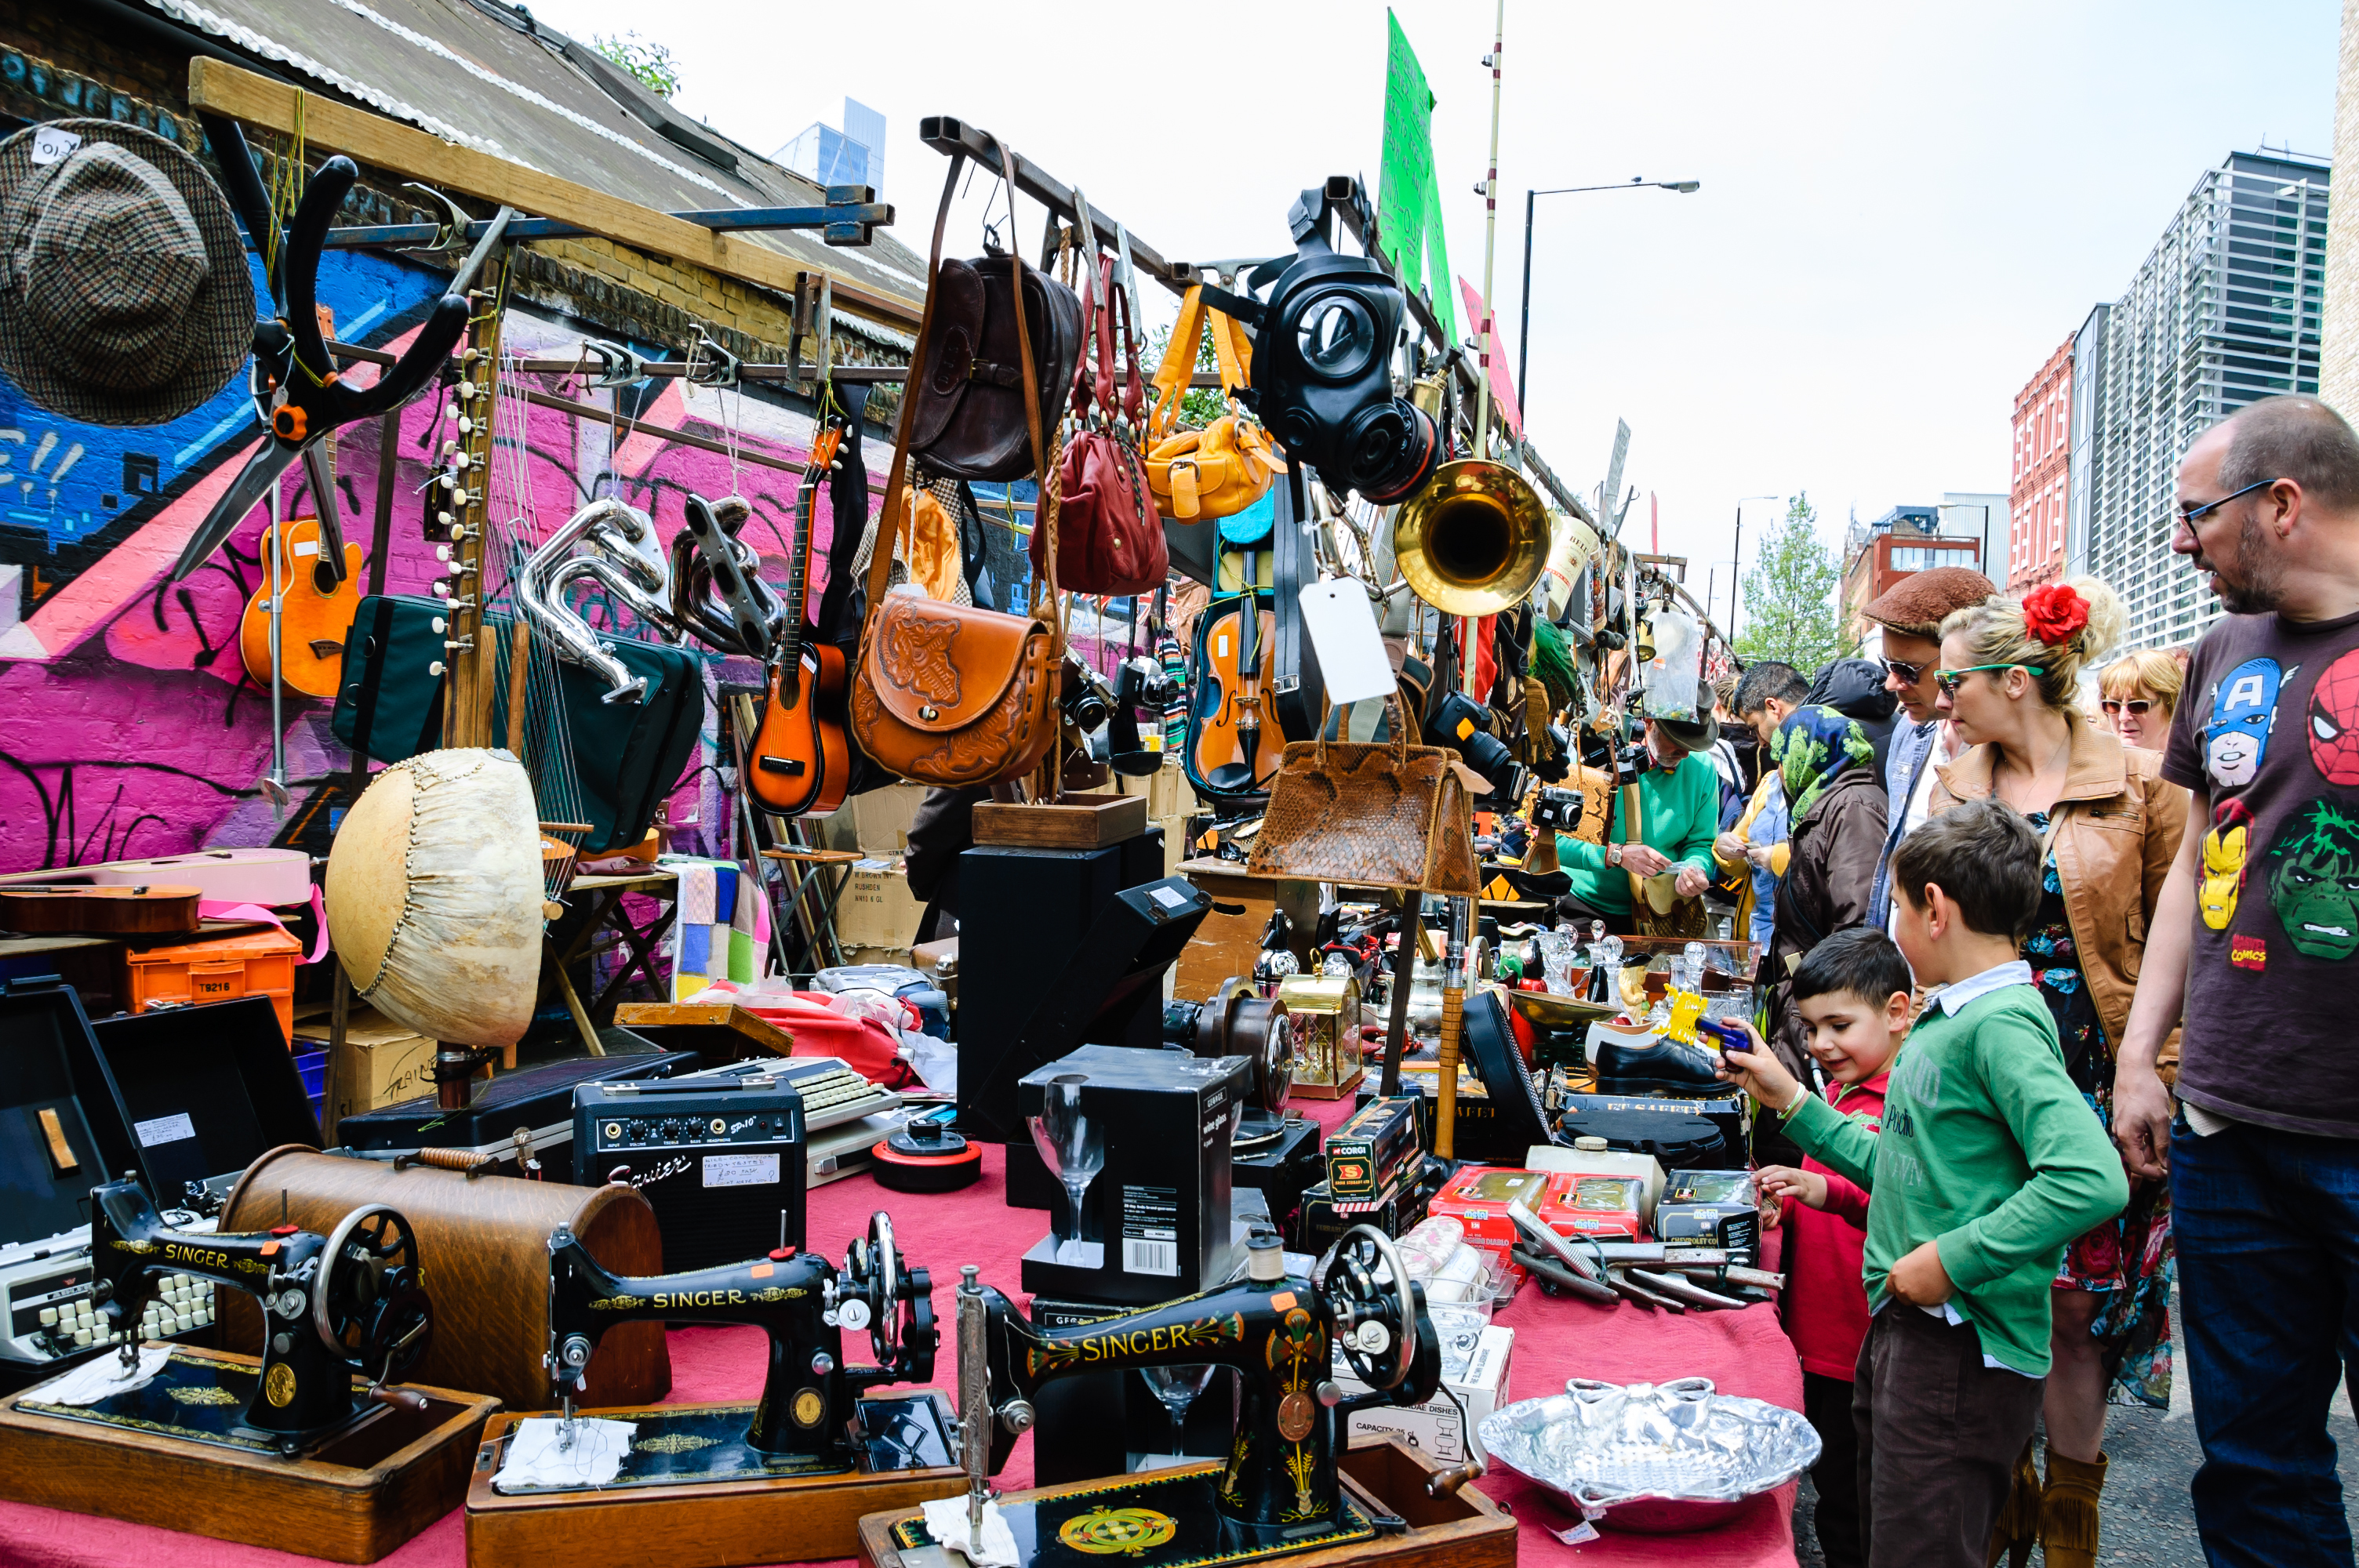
951,694
1110,537
1373,815
1226,467
977,412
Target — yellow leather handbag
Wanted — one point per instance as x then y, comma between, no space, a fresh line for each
1219,470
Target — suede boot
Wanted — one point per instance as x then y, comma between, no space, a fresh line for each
2017,1530
2068,1512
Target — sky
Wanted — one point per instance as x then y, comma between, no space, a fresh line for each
1904,208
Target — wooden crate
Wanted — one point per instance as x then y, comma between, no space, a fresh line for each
1074,822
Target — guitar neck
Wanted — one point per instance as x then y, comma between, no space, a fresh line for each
467,696
790,652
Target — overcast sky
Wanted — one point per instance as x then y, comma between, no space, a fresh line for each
1905,208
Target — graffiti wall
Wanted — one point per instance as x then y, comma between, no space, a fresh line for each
129,722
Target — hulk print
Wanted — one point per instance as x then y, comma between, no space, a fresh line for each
2314,881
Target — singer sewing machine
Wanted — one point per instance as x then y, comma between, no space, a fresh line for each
787,1477
314,1431
1288,1489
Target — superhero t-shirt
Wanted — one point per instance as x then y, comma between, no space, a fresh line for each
2268,724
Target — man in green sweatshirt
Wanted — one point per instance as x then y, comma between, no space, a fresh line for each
1987,1163
1678,814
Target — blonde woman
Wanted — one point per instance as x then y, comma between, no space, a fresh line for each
2138,693
2110,825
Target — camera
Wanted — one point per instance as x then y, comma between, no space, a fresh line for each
1141,683
1087,700
1557,810
1631,763
1460,724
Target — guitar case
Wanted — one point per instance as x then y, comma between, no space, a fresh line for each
1299,691
628,755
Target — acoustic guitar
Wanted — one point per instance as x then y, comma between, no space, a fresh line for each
323,596
802,752
62,909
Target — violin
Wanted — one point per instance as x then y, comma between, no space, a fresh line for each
315,620
1232,748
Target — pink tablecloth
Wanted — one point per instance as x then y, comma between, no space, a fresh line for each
1745,1352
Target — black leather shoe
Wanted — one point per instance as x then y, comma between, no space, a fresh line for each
1665,1067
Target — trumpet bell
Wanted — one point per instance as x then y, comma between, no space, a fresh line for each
1474,540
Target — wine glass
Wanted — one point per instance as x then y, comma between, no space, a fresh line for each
1691,965
1177,1386
1556,953
1074,1145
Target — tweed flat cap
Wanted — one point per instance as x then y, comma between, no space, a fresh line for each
125,297
1918,603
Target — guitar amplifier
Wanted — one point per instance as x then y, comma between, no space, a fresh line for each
720,1156
536,1101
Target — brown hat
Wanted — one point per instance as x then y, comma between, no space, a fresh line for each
1919,602
125,297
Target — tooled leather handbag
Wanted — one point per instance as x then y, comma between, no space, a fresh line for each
977,414
1226,467
1371,815
1110,537
952,695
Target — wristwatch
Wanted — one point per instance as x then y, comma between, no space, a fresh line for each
1613,854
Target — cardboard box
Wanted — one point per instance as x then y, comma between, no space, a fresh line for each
1594,1204
1557,1160
1710,1208
1368,1152
878,909
383,1062
1477,1197
1167,789
1435,1428
881,819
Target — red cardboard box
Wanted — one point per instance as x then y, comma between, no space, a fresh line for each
1477,1198
1601,1205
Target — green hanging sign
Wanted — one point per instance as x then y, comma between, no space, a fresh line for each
1408,198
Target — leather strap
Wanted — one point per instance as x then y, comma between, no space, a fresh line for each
1044,467
1180,363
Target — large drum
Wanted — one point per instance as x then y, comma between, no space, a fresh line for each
434,894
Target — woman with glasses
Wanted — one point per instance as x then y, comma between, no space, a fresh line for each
2140,692
2109,826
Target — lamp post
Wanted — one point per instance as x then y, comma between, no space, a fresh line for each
1523,334
1736,564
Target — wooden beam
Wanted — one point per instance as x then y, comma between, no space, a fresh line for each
401,149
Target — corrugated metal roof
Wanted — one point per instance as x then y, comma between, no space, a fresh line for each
489,76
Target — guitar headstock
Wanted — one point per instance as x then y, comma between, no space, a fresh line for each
829,441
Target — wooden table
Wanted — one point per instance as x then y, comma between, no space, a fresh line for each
601,910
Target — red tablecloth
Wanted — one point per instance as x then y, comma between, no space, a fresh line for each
1745,1352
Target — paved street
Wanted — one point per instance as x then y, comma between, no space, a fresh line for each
2148,1519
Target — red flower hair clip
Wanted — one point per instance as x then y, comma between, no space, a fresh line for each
2054,612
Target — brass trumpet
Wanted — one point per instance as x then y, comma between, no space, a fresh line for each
1474,540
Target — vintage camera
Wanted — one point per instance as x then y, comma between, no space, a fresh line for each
1557,810
1141,682
1460,723
1087,700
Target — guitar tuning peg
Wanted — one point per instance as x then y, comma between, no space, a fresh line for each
442,518
442,552
466,425
435,668
439,625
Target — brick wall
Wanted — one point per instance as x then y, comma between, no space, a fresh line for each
2338,369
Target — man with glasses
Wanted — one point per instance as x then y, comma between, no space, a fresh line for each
2251,940
1908,617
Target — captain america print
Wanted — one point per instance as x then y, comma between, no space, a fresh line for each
2243,712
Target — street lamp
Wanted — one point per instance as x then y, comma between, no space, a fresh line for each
1523,335
1736,563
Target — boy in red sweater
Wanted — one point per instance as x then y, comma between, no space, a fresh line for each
1853,992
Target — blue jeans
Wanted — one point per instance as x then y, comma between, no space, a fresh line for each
2267,1232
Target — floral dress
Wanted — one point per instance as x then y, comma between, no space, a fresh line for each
2127,1258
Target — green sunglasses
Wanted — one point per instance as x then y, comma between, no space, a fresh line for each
1949,680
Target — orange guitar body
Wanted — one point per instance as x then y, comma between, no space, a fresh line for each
316,620
802,755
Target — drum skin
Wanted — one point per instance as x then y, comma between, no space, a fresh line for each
434,897
484,1245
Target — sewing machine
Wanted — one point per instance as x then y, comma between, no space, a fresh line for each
311,1445
727,1484
1280,1493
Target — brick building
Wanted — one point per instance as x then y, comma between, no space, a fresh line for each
2039,486
1877,554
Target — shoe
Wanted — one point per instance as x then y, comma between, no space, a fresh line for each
2017,1530
1665,1067
2068,1511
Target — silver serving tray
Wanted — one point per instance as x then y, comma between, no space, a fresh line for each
1651,1456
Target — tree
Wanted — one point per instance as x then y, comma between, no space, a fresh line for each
1789,612
650,62
1199,406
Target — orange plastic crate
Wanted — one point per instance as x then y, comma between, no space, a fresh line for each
257,963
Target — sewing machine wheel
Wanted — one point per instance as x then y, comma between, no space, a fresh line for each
895,1305
1380,1342
368,1307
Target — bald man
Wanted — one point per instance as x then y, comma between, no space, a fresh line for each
2253,939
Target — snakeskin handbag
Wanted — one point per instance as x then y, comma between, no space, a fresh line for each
1369,814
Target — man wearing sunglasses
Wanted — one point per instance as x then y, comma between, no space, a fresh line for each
2263,1157
1908,616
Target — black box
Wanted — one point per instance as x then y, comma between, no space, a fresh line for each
719,1157
1325,1218
1725,1112
1157,1212
1281,1171
1710,1209
539,1099
1375,1146
204,1091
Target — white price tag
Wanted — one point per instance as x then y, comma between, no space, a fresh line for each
172,1128
741,1169
1343,626
1578,1535
1166,897
52,144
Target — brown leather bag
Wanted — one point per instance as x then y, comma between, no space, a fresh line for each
951,694
976,412
1381,815
1110,536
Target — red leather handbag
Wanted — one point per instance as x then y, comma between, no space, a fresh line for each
1110,536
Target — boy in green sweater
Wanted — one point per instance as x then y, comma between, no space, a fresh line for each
1679,814
1987,1163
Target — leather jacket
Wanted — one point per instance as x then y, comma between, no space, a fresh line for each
1831,854
2114,847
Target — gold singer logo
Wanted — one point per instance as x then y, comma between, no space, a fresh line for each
1102,1532
278,1385
1056,1354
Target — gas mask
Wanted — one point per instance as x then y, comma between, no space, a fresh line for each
1322,381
